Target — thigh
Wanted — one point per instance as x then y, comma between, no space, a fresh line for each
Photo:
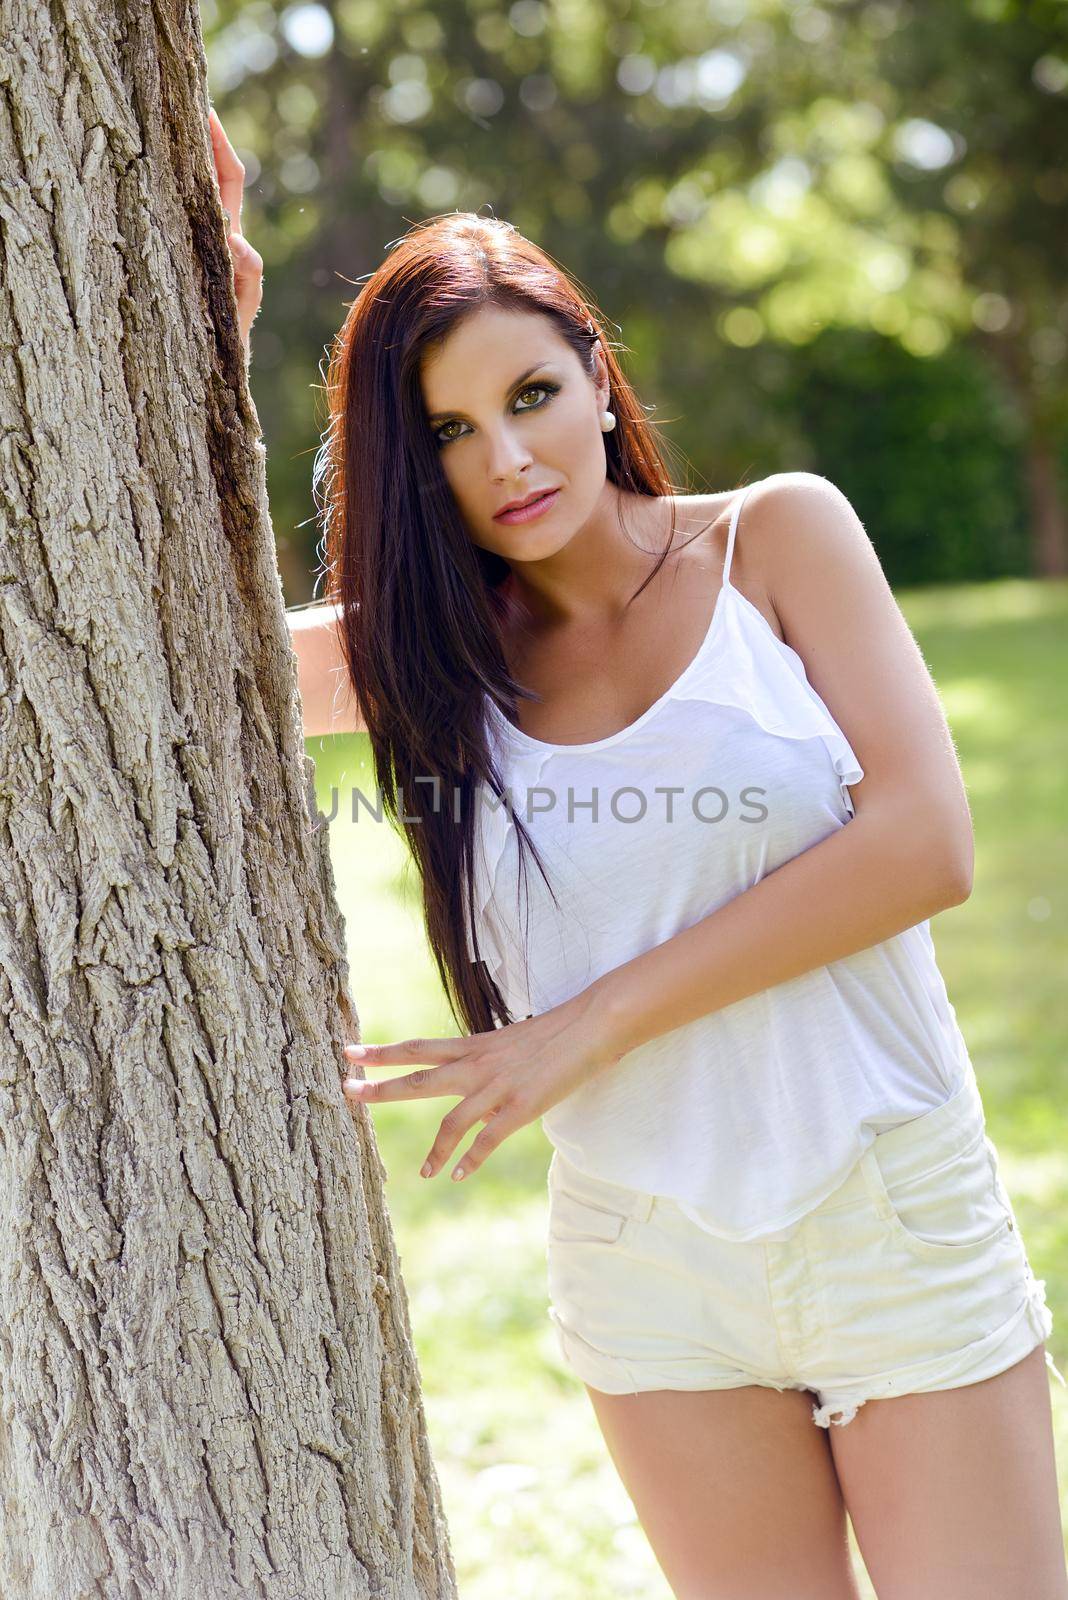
735,1490
953,1494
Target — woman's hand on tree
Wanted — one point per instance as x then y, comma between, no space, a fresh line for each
506,1077
246,262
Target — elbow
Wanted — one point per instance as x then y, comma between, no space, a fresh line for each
933,852
962,888
948,846
956,870
941,862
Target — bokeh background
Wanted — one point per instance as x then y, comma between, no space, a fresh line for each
826,237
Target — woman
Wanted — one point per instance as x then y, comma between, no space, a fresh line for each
772,1199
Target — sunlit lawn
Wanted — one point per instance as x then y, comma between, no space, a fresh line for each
533,1502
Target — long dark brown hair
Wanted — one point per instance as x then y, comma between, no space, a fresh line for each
423,612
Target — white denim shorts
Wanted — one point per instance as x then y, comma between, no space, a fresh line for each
912,1276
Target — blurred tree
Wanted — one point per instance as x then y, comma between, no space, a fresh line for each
737,180
913,185
209,1384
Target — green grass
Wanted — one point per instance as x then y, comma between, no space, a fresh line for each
533,1503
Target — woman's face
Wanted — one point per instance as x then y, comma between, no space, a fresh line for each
513,412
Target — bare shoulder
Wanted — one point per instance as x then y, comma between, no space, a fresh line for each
821,572
797,517
797,531
778,499
808,550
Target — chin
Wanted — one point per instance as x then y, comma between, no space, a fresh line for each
532,544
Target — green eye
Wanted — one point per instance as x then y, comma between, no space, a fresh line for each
546,389
535,388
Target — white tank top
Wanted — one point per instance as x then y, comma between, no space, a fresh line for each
751,1115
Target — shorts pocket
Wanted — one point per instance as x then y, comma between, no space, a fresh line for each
577,1221
953,1211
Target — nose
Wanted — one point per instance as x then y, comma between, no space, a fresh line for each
508,455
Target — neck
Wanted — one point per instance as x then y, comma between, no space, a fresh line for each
589,582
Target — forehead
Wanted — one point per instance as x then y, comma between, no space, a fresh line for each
485,351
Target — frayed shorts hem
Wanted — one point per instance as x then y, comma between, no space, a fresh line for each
610,1375
836,1402
985,1358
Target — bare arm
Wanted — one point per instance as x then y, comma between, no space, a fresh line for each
327,700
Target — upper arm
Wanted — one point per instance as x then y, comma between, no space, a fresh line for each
837,611
328,704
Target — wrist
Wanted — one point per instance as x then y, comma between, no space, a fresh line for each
609,1017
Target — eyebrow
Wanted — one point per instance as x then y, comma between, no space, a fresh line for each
439,416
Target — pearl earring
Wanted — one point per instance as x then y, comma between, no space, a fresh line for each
608,422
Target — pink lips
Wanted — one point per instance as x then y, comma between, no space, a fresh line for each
528,513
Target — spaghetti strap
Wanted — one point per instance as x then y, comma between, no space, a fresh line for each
739,498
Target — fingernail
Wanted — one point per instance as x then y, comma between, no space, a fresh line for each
458,1174
357,1051
424,1170
355,1085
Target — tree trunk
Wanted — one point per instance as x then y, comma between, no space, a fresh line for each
1050,533
207,1378
1042,421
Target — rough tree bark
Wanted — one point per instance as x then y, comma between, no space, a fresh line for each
207,1381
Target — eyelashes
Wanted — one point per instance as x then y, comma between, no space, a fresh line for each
547,389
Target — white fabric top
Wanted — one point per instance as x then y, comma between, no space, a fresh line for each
750,1115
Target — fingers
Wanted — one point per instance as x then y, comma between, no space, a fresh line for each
415,1086
432,1051
501,1117
247,263
500,1124
453,1127
248,272
247,267
229,170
